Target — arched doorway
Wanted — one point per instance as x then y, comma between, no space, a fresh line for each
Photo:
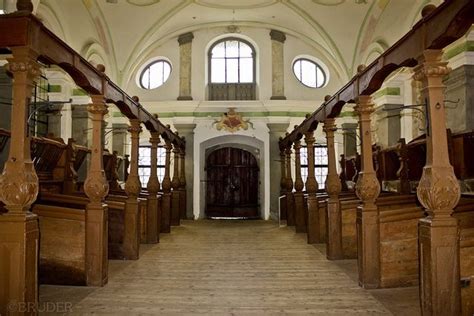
232,184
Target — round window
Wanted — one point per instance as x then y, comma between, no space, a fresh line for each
309,73
155,74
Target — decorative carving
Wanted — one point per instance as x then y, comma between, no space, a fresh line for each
277,36
185,38
367,187
175,182
439,69
333,185
232,121
96,186
19,184
133,185
153,185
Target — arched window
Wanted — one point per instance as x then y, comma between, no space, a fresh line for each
309,73
232,70
155,74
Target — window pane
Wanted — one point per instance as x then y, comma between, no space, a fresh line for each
219,50
166,71
161,156
308,73
297,69
145,79
144,156
304,156
246,70
218,70
245,50
232,70
319,77
232,49
161,174
155,74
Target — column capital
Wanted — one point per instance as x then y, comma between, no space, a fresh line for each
431,65
135,126
155,138
277,36
97,105
329,126
185,38
364,105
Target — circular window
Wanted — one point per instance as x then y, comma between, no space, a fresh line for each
155,74
309,73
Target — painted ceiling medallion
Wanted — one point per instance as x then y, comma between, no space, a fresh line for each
232,122
329,2
232,4
143,3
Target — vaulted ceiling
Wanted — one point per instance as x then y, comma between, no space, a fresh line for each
347,32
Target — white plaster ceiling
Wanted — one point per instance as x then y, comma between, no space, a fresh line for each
347,32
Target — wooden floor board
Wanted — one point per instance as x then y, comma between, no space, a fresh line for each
224,268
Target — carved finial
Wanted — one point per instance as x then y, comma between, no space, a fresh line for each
327,98
136,99
155,115
295,127
427,9
308,115
286,134
177,133
360,68
168,126
100,68
280,138
24,5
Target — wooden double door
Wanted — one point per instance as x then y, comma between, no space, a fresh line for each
232,184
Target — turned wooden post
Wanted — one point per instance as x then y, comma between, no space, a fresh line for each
166,186
367,189
182,184
438,192
96,188
290,201
333,188
19,189
282,202
153,186
131,238
311,190
175,184
300,218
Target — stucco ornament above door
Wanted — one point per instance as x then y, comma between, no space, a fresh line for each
232,121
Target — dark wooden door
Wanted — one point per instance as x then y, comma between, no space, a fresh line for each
232,183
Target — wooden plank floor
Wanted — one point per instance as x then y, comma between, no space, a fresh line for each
224,268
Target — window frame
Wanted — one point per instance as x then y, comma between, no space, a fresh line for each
321,186
147,67
254,61
143,166
317,66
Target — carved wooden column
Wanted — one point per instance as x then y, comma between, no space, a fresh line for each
153,186
333,188
131,238
283,204
439,192
175,184
96,188
300,218
19,189
290,201
166,186
182,184
311,189
367,189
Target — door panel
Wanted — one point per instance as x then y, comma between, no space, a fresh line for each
232,183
